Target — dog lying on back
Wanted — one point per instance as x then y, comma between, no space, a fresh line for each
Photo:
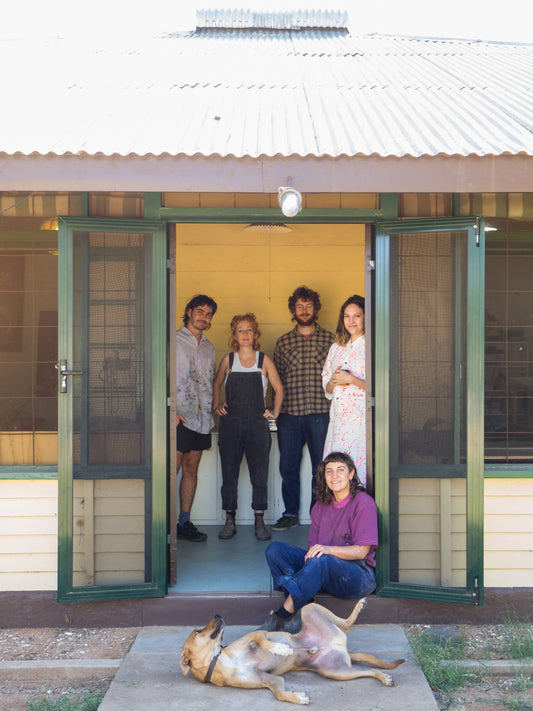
259,658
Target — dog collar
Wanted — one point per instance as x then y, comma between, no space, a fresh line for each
211,668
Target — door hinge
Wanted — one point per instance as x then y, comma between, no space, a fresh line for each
371,265
475,592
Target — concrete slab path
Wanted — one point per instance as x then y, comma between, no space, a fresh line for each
150,678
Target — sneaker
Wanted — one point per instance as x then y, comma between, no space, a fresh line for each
189,532
292,624
285,522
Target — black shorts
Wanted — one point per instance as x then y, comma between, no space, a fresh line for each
187,440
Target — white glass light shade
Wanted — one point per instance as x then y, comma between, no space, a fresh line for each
290,201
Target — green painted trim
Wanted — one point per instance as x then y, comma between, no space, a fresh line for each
109,224
85,204
508,471
65,410
159,410
152,206
247,215
428,224
475,406
382,400
28,473
389,203
111,592
415,592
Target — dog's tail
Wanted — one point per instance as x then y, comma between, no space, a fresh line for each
374,661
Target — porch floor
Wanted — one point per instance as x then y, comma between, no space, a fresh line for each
236,565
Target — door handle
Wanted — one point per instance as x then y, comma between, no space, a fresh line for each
63,372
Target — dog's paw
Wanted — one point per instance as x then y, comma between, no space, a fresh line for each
282,650
388,680
298,697
362,603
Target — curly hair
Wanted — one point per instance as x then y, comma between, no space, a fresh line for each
199,300
342,336
305,294
323,492
235,321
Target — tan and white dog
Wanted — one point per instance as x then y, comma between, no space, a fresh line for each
259,658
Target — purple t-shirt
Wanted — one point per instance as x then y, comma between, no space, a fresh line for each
350,522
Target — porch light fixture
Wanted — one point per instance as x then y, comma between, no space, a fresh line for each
290,201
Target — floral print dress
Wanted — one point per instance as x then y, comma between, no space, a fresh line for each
347,416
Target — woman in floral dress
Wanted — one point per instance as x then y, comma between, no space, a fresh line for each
343,379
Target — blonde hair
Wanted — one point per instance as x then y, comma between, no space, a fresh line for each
232,342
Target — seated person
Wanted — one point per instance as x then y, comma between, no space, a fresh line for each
340,559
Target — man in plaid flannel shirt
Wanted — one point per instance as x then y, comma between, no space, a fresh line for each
299,357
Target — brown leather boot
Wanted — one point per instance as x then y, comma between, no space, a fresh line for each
262,532
229,529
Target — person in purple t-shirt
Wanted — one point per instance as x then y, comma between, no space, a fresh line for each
340,559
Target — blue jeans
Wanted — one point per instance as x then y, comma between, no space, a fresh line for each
293,432
302,579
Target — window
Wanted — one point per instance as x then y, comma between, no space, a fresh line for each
509,342
28,342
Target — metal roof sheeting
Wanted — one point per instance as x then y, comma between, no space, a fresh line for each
268,92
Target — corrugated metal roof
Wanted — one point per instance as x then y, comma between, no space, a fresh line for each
269,92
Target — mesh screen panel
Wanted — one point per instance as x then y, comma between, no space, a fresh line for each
114,341
429,335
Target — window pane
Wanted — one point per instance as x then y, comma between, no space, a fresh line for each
28,343
509,343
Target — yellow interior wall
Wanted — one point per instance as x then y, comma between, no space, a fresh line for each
257,271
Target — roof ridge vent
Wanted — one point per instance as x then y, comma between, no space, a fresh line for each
235,19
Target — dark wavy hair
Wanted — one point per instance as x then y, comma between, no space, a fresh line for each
342,336
233,344
305,294
199,300
322,492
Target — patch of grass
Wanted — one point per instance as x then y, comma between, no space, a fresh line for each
517,705
437,658
518,640
522,683
80,701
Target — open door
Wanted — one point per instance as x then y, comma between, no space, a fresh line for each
428,325
112,409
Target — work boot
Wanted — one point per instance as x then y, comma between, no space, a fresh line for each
229,529
262,533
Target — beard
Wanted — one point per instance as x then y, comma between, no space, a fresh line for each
305,320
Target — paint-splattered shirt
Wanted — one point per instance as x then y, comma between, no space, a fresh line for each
195,372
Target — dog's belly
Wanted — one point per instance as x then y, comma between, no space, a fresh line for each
320,658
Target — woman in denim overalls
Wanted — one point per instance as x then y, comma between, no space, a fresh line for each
244,419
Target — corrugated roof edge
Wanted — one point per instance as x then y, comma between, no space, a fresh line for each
264,19
266,156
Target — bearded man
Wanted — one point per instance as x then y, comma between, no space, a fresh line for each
299,357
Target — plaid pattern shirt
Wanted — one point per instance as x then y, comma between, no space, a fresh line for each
299,360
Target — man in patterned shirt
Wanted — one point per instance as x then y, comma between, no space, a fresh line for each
299,357
195,372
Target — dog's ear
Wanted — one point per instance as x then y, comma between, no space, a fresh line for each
185,661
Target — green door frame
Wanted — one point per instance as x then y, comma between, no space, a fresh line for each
475,286
157,586
385,220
